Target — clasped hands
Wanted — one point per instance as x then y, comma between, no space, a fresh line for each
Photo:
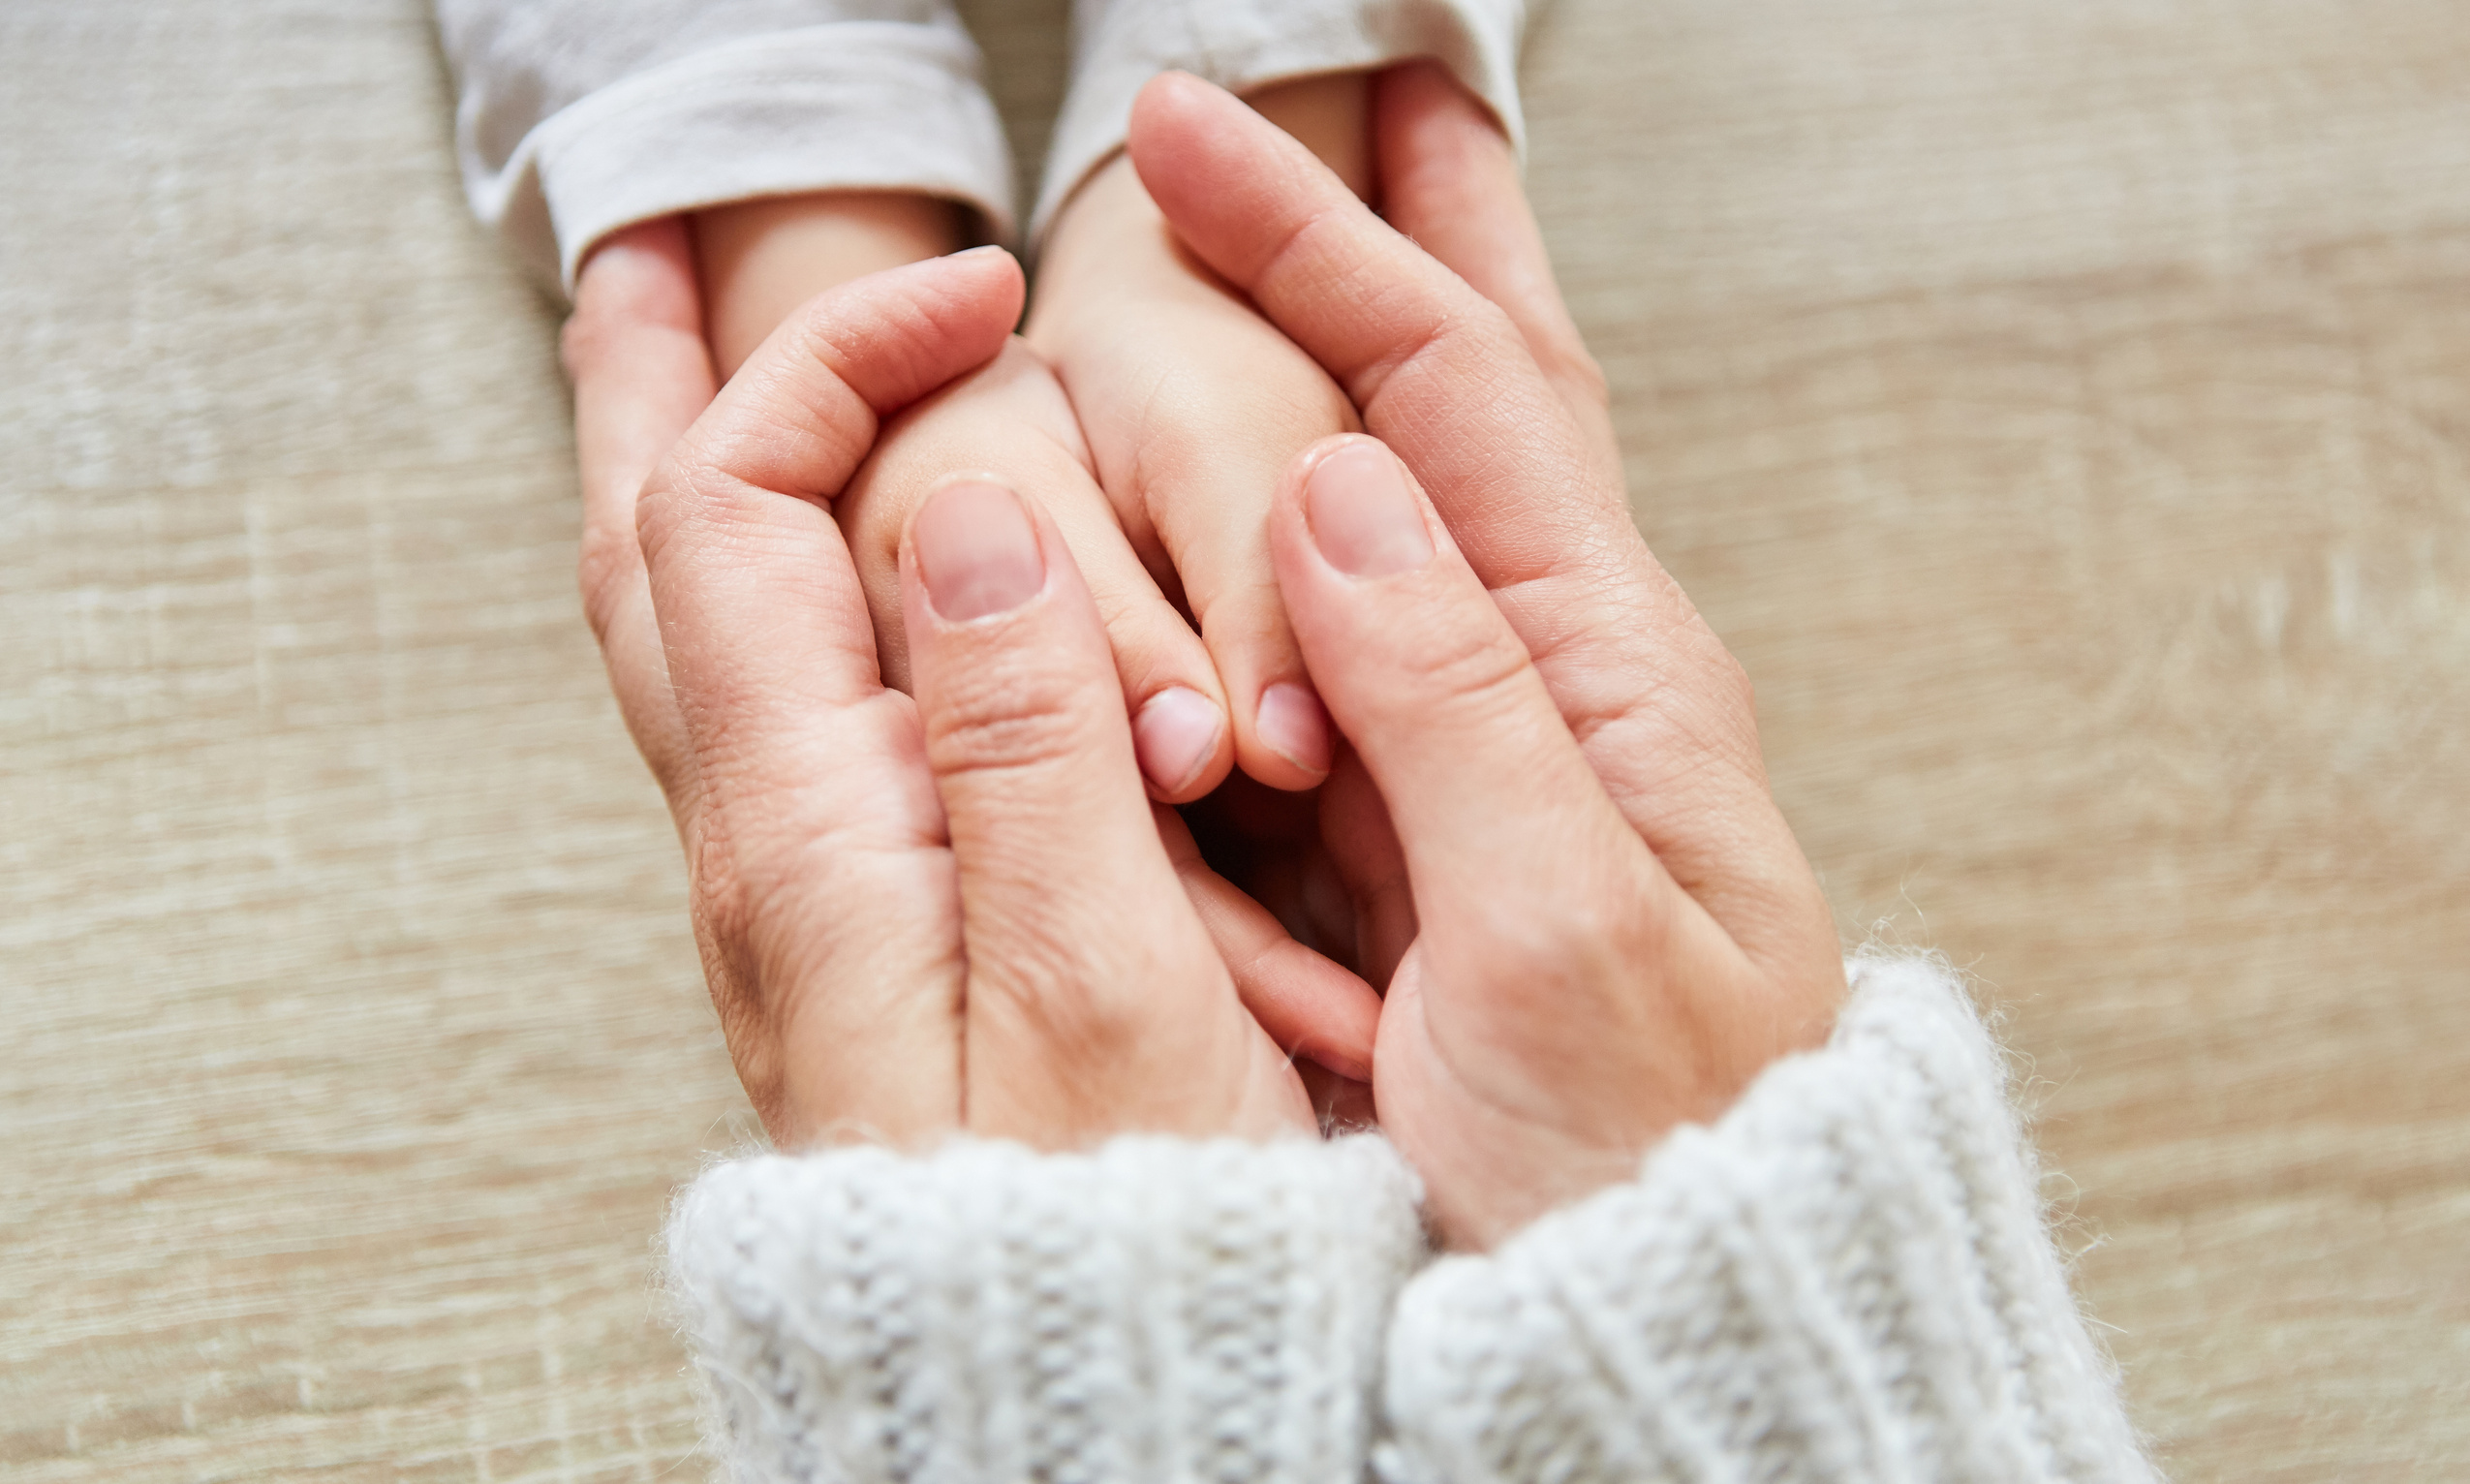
897,665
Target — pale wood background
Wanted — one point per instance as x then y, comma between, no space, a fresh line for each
2063,409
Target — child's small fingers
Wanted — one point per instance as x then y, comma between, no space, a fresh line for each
1011,416
1193,409
1211,516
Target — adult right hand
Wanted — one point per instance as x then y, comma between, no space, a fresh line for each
1600,923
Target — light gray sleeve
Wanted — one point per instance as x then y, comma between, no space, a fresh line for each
577,117
1849,1277
1157,1308
1120,44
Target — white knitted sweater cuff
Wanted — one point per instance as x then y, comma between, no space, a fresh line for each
1848,1277
1156,1308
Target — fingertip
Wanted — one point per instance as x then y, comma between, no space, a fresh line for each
1162,99
997,273
1293,725
1180,736
1203,153
1313,1008
893,337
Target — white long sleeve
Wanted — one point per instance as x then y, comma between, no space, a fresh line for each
577,117
1120,44
1847,1278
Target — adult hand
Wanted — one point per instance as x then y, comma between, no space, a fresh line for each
915,915
1606,926
636,349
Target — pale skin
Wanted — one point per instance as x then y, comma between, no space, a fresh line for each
1178,404
1149,410
953,908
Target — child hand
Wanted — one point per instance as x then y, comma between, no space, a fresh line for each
761,260
1192,405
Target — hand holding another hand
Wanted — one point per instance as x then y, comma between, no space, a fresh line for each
917,915
957,913
1613,928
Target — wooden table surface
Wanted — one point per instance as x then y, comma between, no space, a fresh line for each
2064,410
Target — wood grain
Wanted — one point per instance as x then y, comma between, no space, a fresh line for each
2064,411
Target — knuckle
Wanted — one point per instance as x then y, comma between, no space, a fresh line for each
703,501
1580,375
605,568
1058,989
1465,664
585,341
1729,686
724,909
1015,706
663,504
1590,932
979,729
718,893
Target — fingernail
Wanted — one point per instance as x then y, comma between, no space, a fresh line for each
1292,724
1175,735
1363,516
977,551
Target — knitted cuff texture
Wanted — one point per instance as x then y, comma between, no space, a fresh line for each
1848,1277
1154,1310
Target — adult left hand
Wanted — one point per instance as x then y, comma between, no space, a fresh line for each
916,915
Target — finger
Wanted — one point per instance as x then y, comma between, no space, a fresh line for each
823,894
1450,184
1495,808
735,511
1200,466
1193,406
1443,375
1308,1006
635,348
1363,845
1432,365
1096,1001
1010,415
